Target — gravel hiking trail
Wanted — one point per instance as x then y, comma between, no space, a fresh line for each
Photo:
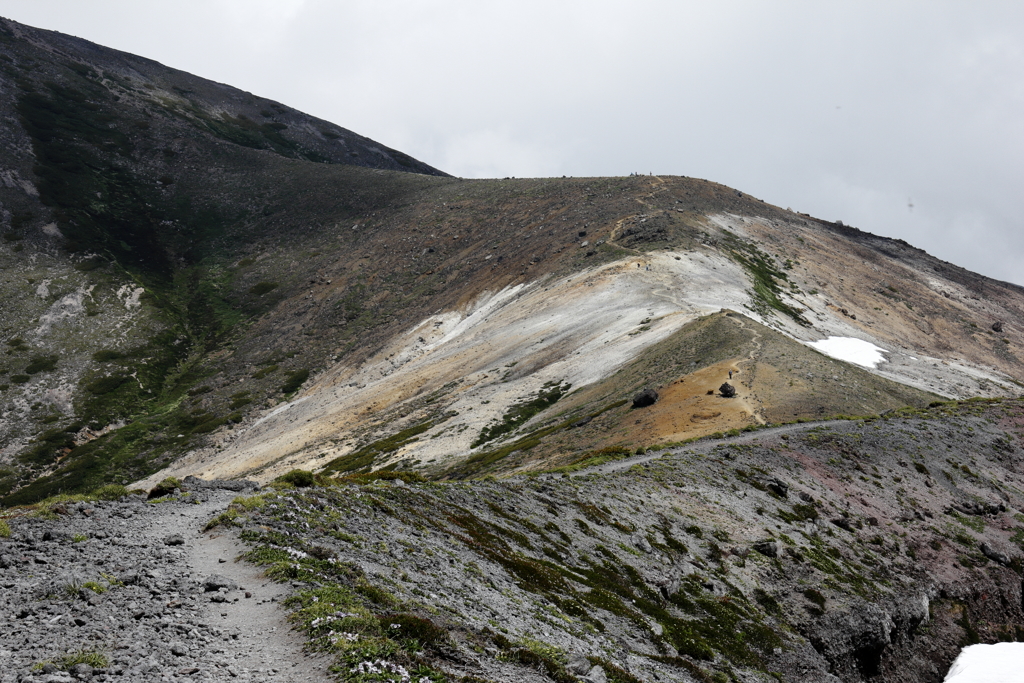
264,645
169,601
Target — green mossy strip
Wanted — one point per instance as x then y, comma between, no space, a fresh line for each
765,278
521,412
364,458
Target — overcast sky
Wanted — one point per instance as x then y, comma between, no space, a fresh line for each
904,119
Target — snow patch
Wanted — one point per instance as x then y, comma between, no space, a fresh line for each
851,350
997,663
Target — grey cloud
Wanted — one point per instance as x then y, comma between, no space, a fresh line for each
843,110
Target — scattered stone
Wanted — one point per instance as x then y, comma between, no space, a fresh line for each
727,390
974,508
597,675
778,487
174,539
641,543
843,523
997,326
994,555
215,582
81,670
647,397
579,664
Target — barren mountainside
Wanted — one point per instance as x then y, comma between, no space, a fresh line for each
506,429
193,272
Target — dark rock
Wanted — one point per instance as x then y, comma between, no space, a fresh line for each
215,582
778,487
578,664
647,397
727,390
997,326
668,587
584,421
193,483
994,555
806,497
843,523
767,548
174,539
974,508
81,670
640,542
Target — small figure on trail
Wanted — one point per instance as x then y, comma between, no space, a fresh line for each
648,266
730,374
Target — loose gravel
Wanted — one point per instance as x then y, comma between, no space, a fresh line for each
138,584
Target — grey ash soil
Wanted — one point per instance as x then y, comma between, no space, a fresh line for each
163,623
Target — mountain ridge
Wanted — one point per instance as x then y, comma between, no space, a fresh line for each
498,430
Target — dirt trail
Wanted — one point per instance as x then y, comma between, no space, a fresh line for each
749,375
703,447
263,646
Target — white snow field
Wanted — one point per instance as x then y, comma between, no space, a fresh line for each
851,350
998,663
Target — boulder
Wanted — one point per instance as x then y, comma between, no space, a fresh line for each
579,664
997,326
843,523
994,555
778,487
767,548
647,397
727,390
215,582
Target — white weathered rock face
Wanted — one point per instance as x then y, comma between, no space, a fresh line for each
505,346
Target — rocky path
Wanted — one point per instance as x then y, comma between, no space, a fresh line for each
703,447
173,604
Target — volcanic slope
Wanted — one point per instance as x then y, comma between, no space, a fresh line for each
857,550
187,281
461,384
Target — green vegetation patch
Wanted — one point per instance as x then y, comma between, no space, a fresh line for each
295,380
765,277
41,364
364,457
521,412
